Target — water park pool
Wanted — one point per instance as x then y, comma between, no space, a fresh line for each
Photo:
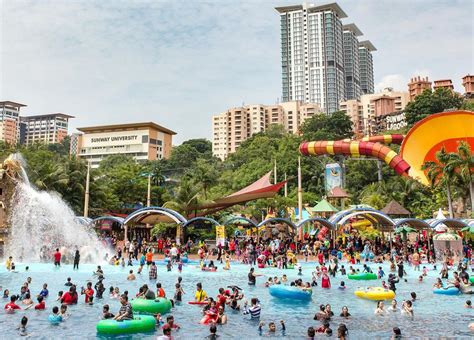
434,315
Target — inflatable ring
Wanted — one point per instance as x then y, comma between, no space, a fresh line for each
199,303
375,293
446,291
362,276
208,318
471,279
290,292
139,324
290,266
55,319
160,305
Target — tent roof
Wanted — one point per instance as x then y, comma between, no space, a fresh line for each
338,192
323,206
395,208
262,188
304,213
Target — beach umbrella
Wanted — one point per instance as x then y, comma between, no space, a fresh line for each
404,230
468,229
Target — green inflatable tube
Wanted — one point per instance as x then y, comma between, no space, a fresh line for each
290,266
139,324
160,305
471,279
362,276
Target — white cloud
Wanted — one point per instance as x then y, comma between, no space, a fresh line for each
396,81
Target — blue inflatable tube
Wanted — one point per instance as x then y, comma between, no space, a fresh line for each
289,292
448,291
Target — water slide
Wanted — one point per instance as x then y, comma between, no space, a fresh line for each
370,147
420,145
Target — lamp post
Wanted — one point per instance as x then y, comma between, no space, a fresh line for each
86,196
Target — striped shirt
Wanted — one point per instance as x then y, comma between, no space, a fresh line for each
254,311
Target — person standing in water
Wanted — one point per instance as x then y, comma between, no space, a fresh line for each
57,258
77,257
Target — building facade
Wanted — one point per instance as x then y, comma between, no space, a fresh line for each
364,112
468,83
366,67
443,83
10,122
232,127
48,129
417,85
351,61
311,54
142,141
321,57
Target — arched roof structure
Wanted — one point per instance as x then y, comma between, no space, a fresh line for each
154,215
115,219
278,219
321,221
451,223
83,220
415,223
377,217
239,218
195,219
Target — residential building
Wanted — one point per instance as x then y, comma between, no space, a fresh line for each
468,83
143,141
232,127
312,54
10,121
443,83
351,61
47,128
363,112
366,67
417,85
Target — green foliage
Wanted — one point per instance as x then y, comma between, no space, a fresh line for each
430,102
336,126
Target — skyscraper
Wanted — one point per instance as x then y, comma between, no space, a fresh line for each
312,54
351,61
366,67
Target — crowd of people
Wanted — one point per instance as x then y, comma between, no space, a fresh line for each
334,258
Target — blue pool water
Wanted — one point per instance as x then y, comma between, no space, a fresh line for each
435,315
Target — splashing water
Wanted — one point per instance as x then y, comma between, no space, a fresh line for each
41,222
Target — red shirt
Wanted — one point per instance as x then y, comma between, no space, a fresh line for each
88,292
69,299
12,305
57,257
222,299
40,306
161,292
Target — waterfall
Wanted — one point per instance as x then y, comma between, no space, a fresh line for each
41,221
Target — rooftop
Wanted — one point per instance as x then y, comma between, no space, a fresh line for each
9,103
353,28
58,114
91,129
368,45
312,8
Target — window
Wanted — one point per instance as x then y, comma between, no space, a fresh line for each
145,139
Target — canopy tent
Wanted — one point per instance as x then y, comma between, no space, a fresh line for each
413,223
262,188
106,223
338,192
304,214
395,209
448,244
323,206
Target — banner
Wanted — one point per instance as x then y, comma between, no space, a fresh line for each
333,176
220,235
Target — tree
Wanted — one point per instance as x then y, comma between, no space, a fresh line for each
442,173
430,102
335,126
463,162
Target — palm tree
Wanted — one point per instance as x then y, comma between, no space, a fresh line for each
463,160
442,173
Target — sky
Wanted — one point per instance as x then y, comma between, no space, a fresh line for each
177,63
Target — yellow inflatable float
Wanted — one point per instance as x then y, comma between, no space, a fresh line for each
375,293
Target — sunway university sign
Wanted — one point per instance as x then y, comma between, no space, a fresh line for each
114,139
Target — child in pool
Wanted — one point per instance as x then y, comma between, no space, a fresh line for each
55,316
169,266
22,327
180,266
342,285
